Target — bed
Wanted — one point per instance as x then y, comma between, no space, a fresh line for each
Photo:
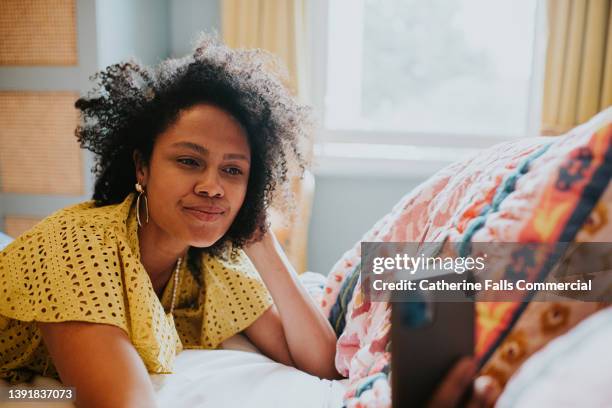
237,375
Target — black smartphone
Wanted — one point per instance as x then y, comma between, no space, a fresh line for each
427,339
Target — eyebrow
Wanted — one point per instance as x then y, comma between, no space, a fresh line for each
204,151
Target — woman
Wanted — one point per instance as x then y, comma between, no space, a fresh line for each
173,251
188,159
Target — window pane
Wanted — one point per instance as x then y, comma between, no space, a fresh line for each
441,66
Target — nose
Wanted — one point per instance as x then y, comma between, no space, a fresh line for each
209,184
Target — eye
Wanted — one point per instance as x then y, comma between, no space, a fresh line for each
188,162
234,171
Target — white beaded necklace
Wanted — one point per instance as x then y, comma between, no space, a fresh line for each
177,271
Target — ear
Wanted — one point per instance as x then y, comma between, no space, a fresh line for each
142,170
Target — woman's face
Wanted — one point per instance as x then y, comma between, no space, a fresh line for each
197,176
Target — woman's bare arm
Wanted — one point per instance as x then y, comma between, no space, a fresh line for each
295,331
100,362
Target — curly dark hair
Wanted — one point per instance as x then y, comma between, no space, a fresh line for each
131,104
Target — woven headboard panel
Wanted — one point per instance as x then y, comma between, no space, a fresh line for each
39,154
38,32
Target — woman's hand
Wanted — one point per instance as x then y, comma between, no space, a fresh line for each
457,383
293,331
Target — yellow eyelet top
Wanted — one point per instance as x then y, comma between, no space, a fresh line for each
82,263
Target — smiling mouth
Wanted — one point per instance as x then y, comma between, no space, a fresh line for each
205,215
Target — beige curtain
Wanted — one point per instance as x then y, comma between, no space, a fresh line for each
578,76
279,26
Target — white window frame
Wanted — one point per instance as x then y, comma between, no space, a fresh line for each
396,153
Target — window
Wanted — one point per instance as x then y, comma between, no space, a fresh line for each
429,73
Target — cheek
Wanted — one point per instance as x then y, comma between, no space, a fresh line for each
236,197
172,185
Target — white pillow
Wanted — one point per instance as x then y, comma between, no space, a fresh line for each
574,370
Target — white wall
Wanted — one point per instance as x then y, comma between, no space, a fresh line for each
188,18
132,28
344,209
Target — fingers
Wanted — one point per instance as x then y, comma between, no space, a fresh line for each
486,392
489,389
455,383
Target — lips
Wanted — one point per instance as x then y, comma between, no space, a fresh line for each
205,213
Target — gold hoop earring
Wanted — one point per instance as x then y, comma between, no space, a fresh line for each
142,193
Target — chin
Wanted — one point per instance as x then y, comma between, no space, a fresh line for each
204,236
204,243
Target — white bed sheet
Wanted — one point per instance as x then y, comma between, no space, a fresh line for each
236,376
